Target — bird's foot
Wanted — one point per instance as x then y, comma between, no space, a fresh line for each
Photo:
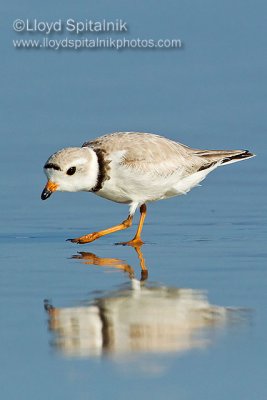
136,242
85,239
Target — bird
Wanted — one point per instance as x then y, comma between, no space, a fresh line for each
132,168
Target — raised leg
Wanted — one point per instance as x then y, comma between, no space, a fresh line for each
96,235
137,241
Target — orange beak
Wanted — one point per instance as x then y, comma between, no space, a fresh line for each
50,187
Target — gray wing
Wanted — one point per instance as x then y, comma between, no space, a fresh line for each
153,154
148,153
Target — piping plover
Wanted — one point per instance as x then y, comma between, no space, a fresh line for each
132,168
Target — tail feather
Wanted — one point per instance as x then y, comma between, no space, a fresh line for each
237,157
224,156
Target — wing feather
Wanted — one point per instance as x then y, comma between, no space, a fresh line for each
148,153
152,154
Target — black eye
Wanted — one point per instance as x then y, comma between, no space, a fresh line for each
71,170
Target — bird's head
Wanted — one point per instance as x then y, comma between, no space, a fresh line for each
72,169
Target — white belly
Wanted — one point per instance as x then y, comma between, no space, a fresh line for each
134,187
128,185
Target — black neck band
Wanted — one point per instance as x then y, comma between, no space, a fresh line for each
103,170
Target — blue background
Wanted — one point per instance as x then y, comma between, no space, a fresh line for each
209,94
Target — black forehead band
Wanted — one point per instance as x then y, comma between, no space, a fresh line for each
53,166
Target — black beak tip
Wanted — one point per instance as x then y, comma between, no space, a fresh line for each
45,194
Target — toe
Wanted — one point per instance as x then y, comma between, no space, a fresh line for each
133,243
75,240
85,239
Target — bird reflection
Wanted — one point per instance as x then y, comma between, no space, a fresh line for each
136,318
92,259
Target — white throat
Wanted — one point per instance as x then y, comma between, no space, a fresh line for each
92,172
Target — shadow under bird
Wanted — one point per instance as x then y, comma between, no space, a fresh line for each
132,168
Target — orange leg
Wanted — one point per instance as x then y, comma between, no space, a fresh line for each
137,241
96,235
